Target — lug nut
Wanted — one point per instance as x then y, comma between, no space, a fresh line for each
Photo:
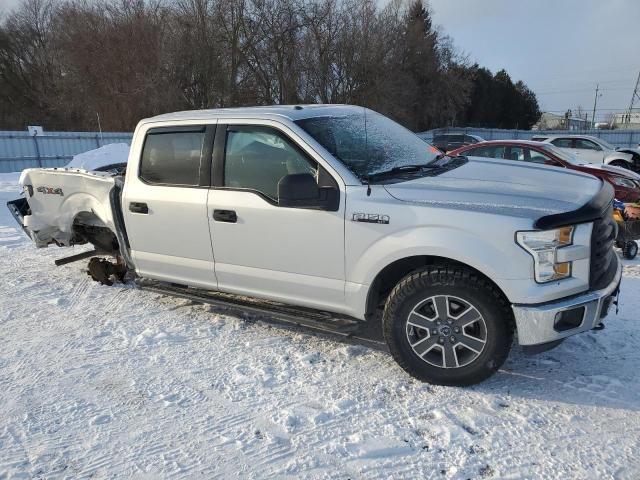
457,329
441,340
434,332
452,339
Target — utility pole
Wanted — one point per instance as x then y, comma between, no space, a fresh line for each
634,97
595,102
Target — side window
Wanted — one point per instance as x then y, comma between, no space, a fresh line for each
256,158
539,157
172,158
517,153
469,140
562,142
583,144
486,152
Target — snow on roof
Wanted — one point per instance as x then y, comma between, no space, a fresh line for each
291,112
101,157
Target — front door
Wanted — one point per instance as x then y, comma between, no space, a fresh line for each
588,151
165,206
291,255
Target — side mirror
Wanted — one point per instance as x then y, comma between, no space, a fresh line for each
300,190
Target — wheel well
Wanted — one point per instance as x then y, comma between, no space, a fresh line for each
390,275
87,227
618,161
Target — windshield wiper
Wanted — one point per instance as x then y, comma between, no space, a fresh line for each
395,170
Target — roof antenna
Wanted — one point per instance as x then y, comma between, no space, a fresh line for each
366,149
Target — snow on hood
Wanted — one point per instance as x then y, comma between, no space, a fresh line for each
101,157
623,172
501,187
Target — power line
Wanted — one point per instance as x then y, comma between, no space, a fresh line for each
634,97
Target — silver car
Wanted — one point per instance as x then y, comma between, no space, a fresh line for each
590,149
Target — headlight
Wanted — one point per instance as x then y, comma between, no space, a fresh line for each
624,182
542,246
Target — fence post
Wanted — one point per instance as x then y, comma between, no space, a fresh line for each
97,140
35,141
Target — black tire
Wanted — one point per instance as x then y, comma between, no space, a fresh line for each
621,163
449,282
630,250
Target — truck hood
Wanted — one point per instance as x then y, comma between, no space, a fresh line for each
501,187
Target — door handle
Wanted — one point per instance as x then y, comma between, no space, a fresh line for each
228,216
138,207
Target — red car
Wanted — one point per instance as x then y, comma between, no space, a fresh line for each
625,182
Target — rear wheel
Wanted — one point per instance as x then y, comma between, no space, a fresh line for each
447,325
630,250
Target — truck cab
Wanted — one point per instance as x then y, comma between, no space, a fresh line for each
339,209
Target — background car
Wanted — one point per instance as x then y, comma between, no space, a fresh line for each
450,141
625,182
591,149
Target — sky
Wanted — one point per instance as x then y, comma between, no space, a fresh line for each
561,49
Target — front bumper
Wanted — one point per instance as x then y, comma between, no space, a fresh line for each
538,324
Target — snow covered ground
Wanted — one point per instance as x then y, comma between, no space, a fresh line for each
115,382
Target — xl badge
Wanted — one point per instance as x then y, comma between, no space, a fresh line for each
50,191
370,218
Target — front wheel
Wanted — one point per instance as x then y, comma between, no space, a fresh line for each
448,326
621,163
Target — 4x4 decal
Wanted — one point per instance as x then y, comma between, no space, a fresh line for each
50,191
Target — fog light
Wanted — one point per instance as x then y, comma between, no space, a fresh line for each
568,319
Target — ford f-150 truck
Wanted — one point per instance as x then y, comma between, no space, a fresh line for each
332,214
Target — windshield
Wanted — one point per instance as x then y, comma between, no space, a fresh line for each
369,143
567,157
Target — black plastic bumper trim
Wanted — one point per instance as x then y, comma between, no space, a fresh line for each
590,211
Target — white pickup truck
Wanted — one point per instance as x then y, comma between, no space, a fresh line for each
327,215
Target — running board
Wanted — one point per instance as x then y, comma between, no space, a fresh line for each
342,327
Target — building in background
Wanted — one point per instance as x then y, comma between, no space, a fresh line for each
552,121
627,120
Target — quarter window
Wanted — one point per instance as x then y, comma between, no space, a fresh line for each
256,158
172,158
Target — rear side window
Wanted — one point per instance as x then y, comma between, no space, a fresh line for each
172,158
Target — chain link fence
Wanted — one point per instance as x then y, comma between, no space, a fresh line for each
619,138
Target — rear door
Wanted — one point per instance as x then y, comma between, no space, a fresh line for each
165,206
292,255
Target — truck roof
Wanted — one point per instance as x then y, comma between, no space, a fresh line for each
290,112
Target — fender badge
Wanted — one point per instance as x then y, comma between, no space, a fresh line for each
371,218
